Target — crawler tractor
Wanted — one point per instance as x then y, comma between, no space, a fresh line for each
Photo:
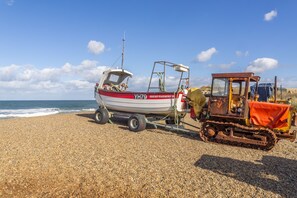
233,115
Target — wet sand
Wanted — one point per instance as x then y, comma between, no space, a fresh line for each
69,155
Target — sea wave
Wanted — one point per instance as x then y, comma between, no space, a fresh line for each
33,108
34,112
14,113
91,109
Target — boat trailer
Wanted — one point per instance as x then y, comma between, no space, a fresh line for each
137,122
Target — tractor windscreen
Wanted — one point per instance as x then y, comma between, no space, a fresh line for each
220,87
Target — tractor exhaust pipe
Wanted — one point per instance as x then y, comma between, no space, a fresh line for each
275,88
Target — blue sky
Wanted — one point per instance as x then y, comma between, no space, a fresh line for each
57,49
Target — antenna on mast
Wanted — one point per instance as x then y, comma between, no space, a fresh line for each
123,52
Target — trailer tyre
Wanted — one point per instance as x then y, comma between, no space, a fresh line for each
137,123
101,116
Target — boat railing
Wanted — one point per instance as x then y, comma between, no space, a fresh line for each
159,71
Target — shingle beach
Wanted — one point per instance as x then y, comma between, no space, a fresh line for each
69,155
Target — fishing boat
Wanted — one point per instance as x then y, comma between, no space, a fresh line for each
115,100
112,92
158,101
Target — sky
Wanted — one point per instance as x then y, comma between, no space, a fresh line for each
58,49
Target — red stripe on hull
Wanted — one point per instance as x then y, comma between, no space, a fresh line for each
141,95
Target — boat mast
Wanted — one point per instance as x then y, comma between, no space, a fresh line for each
123,52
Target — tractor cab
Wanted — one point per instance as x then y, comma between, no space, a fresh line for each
230,93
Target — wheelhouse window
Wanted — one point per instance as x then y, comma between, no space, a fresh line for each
220,87
113,78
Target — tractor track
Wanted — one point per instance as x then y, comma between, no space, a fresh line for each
245,132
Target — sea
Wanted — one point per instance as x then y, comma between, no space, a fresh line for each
33,108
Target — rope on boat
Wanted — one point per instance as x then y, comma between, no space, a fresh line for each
175,111
174,107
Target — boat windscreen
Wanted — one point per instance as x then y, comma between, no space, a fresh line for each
116,78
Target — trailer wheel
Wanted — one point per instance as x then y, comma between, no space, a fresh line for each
137,123
101,116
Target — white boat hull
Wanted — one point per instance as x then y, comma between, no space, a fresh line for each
143,103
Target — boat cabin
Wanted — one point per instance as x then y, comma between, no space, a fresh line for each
115,80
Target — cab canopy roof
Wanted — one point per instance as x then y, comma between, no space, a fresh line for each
237,75
118,72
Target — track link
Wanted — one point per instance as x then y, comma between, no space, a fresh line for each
238,135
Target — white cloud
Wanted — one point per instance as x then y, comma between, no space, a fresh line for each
8,73
96,47
67,68
241,53
140,83
262,64
80,84
206,55
10,2
270,15
87,64
47,85
19,79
